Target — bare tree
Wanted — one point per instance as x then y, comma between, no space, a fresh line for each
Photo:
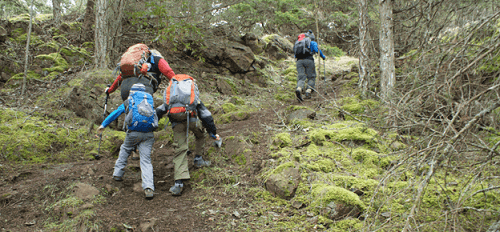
115,17
56,9
88,21
27,49
387,69
364,37
101,35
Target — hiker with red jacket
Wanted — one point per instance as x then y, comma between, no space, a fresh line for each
304,49
154,66
184,108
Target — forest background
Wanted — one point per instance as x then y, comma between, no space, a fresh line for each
425,91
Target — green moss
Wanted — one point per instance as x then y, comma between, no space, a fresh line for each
282,140
60,64
281,167
229,107
52,45
75,26
237,100
349,224
323,165
241,159
324,194
350,131
21,39
355,106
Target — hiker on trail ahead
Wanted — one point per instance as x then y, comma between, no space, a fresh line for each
183,107
138,63
140,122
304,49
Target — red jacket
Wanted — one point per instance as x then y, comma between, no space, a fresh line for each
162,66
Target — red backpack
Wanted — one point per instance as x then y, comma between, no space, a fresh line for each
132,60
182,97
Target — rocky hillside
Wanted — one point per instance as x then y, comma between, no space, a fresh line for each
323,164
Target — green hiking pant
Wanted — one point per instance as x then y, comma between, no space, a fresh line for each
180,161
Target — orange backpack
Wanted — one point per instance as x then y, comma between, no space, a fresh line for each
132,59
182,96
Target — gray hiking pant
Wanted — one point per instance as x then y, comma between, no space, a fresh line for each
306,71
144,143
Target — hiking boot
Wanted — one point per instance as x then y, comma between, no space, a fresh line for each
176,190
299,95
135,155
117,178
199,162
149,193
308,95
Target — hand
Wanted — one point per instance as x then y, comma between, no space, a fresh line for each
100,129
324,58
144,69
215,137
106,91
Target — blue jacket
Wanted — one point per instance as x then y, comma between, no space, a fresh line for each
113,116
315,49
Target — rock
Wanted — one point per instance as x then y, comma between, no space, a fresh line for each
138,187
252,41
239,57
234,56
340,202
236,214
4,77
148,225
284,184
301,114
297,204
313,220
85,191
386,214
274,51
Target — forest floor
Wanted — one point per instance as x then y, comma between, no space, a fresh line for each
217,198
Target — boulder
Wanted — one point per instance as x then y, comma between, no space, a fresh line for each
252,41
238,57
234,56
335,202
284,183
275,51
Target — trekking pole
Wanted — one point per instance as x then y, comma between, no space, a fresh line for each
104,118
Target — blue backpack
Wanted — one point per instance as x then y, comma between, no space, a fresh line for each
140,115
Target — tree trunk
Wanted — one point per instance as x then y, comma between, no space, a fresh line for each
88,21
27,49
115,29
56,9
364,38
101,35
387,78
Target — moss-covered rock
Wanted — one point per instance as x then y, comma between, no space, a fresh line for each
56,61
283,182
344,131
336,202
